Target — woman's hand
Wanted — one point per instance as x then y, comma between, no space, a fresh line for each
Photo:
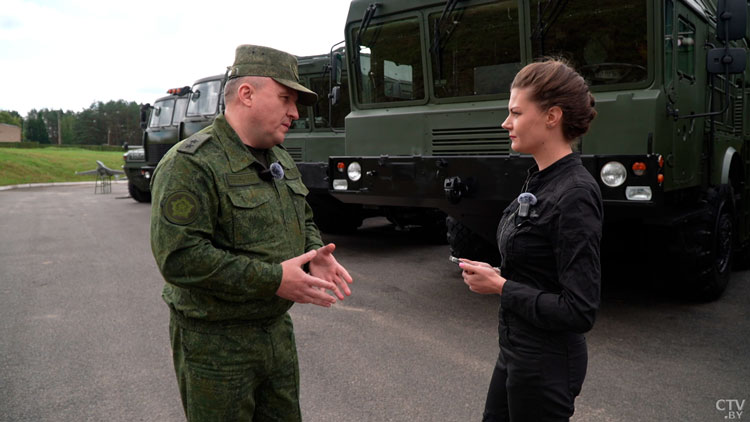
481,277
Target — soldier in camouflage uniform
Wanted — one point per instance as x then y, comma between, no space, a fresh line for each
231,232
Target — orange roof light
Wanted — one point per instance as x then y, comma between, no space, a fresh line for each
179,91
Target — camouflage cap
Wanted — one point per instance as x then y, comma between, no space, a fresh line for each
255,60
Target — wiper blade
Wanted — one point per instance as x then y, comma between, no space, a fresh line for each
553,10
437,44
369,13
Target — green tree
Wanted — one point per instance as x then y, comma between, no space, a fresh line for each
11,118
88,127
35,129
67,127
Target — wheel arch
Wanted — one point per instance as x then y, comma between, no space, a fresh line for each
732,172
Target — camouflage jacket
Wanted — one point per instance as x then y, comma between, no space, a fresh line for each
219,231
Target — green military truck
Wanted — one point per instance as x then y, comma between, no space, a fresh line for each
319,134
670,146
162,126
316,135
184,112
134,159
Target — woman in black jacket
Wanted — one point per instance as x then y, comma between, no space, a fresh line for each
549,280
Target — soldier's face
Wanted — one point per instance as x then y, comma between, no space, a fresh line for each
274,111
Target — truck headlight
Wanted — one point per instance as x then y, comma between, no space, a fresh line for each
613,174
354,171
340,184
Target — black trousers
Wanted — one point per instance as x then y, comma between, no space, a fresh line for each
537,376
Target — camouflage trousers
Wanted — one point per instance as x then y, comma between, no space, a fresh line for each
236,373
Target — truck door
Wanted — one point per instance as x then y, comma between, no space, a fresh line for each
686,88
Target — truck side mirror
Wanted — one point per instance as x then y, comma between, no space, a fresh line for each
732,20
335,95
144,115
336,68
726,60
731,25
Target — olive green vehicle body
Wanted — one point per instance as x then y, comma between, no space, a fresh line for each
319,131
425,124
135,158
316,135
192,109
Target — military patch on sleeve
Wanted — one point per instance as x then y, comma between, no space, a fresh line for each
180,208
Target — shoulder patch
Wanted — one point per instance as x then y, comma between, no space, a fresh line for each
191,144
180,208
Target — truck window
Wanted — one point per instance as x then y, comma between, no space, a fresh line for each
390,63
476,50
162,114
204,99
340,110
303,122
606,40
179,110
685,49
668,41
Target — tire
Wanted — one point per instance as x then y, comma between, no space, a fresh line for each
707,263
465,243
138,194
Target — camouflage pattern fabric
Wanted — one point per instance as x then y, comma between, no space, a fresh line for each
256,60
218,234
239,373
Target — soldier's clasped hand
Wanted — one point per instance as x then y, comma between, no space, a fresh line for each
298,286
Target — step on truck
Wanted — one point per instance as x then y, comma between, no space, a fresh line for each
670,146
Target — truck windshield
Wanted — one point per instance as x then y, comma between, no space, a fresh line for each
606,40
477,51
390,63
303,122
161,115
339,111
205,98
179,110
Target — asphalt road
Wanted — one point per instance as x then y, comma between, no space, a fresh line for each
84,337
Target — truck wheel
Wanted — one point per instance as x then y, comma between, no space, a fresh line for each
467,244
709,261
138,194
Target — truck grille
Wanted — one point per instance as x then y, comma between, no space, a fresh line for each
295,152
470,141
154,152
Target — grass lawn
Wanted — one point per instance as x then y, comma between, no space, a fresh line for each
44,165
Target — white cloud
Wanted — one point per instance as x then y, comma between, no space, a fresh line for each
56,54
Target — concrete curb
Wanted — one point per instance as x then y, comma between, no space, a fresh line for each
43,185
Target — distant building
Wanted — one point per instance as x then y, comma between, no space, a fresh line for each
9,133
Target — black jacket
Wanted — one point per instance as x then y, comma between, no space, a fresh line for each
551,257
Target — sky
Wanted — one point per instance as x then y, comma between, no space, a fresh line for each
68,54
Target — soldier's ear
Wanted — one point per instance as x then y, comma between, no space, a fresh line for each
245,94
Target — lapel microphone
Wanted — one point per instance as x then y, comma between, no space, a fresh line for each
274,171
